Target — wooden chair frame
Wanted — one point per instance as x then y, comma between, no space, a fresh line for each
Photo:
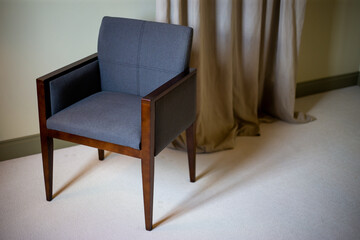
146,153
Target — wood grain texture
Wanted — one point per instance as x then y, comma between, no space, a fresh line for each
170,85
95,143
47,145
191,150
47,151
147,158
68,68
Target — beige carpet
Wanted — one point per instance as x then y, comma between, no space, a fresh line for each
293,182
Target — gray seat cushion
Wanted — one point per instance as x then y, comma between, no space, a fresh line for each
107,116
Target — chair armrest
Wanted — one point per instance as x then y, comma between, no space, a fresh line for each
65,86
174,107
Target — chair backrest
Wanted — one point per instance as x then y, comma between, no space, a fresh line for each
138,56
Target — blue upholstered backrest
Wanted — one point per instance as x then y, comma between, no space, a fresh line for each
137,56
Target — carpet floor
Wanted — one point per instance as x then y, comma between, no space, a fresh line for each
295,181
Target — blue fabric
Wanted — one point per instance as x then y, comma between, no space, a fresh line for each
134,58
106,116
137,56
74,86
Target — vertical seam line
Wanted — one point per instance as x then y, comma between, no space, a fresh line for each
138,59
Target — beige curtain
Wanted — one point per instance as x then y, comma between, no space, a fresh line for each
246,55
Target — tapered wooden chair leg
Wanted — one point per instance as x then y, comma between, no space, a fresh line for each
101,154
147,166
191,150
47,149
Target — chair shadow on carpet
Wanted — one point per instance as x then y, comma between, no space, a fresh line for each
240,161
241,164
78,176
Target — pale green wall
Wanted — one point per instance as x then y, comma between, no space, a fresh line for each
330,40
37,37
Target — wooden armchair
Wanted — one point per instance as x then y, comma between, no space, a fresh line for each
132,97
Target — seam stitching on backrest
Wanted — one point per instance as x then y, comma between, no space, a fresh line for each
138,59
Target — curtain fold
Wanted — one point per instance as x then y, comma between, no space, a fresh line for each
246,54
